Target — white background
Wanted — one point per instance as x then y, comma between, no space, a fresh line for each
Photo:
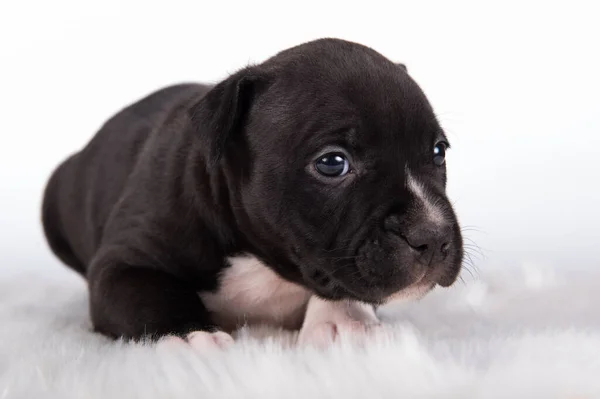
516,85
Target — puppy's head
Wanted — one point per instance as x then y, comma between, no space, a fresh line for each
335,168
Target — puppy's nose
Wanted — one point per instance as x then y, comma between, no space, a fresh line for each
430,242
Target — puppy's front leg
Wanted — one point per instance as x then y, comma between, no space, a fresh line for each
325,319
135,301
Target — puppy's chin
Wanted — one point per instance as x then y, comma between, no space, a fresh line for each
376,295
353,284
406,287
412,292
393,275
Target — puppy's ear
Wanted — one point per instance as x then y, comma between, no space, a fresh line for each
403,66
219,116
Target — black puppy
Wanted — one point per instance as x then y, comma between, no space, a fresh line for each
298,192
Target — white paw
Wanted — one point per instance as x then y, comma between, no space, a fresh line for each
202,341
323,334
326,321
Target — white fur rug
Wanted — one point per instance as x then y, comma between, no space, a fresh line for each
529,333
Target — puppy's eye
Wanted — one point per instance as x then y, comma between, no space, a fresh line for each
332,164
439,153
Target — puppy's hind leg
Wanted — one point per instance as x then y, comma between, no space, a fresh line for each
52,222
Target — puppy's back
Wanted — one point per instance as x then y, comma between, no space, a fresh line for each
82,191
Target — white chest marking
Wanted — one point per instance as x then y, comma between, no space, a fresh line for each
250,292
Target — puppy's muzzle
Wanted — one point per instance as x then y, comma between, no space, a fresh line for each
430,243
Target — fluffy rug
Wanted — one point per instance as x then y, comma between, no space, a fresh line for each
529,333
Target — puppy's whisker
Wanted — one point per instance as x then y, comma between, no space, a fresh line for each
341,249
468,257
341,266
473,250
471,228
337,257
470,240
465,268
468,265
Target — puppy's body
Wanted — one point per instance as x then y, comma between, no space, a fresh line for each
199,208
84,190
132,194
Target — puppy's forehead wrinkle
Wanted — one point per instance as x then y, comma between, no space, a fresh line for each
431,205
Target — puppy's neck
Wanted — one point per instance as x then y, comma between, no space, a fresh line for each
209,194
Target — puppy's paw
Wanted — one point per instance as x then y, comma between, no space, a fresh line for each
326,321
319,335
322,335
202,341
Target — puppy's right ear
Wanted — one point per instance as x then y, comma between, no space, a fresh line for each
219,116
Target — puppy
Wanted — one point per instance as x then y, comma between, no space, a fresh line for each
300,192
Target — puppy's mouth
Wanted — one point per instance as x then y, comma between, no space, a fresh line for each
335,290
328,287
362,289
383,273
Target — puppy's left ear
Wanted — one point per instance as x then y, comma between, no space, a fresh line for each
219,116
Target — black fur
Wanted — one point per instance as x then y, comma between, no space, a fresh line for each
173,184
